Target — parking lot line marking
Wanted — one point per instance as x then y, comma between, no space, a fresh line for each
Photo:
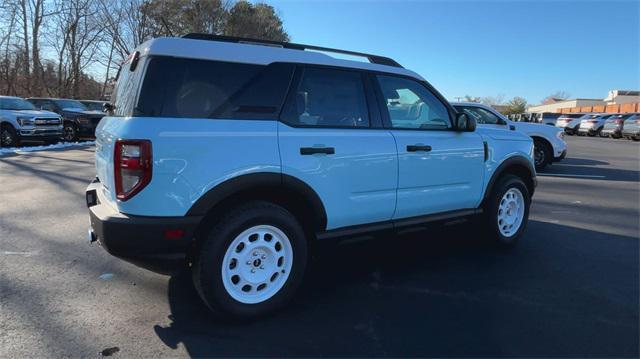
569,175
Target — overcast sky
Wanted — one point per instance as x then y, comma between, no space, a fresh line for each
486,48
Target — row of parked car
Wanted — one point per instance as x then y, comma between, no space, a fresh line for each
615,125
47,120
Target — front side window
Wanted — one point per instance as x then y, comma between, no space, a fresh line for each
480,115
411,105
327,98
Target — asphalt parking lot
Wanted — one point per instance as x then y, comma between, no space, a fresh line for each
570,288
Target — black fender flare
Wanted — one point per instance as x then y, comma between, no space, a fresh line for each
262,180
524,168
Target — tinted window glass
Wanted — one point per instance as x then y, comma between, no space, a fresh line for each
480,115
212,89
10,103
411,105
126,90
328,98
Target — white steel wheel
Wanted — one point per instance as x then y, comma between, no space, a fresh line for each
257,263
511,212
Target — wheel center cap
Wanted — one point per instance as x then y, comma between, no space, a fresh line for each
257,262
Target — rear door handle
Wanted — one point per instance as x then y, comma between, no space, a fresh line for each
417,148
313,150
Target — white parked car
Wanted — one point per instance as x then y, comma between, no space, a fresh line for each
570,122
549,145
593,124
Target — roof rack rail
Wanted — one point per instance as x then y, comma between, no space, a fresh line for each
374,59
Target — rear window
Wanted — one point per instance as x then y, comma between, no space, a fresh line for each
189,88
550,115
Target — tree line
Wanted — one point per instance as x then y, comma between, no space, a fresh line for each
73,48
517,104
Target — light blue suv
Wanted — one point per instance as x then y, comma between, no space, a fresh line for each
233,156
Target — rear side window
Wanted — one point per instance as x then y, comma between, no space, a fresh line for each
126,89
327,98
175,87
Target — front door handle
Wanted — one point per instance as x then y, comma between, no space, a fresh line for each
417,148
313,150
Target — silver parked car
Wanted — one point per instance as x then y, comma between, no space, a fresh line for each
613,125
631,127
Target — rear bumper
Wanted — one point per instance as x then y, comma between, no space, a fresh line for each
156,243
587,130
631,132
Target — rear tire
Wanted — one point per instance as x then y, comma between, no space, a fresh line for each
8,136
507,211
251,262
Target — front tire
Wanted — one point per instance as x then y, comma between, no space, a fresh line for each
507,210
542,154
251,262
70,132
8,136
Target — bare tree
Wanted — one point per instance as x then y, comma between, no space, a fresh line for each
556,96
493,100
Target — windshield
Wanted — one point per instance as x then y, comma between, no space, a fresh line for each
16,104
94,106
70,104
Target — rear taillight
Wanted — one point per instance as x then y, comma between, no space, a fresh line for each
132,167
618,121
592,121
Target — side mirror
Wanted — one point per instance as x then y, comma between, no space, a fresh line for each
465,123
108,108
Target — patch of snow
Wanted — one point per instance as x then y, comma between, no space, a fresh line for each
19,150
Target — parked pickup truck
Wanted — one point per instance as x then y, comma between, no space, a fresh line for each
233,158
78,120
20,121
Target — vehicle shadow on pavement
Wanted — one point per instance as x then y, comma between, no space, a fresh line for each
590,169
441,292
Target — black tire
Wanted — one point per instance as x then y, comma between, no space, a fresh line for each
568,131
542,153
207,270
8,136
70,132
492,208
636,138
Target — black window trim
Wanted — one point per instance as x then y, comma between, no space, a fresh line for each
373,98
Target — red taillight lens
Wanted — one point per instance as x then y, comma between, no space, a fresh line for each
132,166
618,121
